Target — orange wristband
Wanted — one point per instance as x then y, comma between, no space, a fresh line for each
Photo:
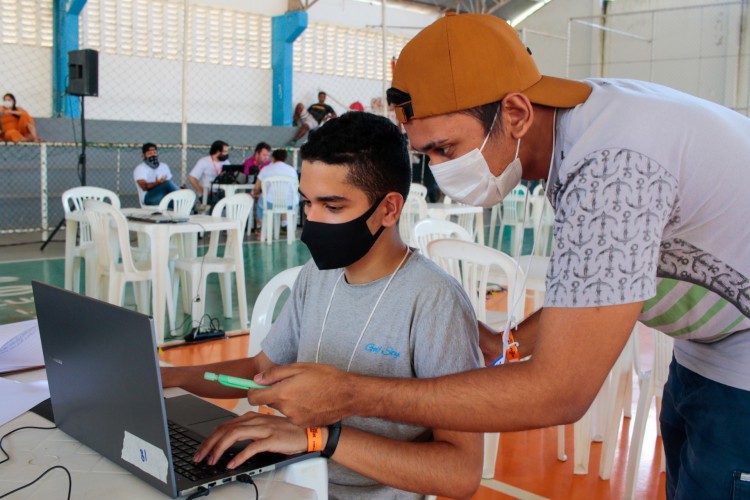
512,353
314,439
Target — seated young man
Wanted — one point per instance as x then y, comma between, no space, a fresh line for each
366,303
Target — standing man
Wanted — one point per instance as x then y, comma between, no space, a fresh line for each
312,117
649,187
152,177
208,168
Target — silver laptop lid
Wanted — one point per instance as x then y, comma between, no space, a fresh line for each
104,381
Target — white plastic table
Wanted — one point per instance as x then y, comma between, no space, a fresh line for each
159,235
34,451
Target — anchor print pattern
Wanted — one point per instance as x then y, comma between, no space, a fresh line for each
611,209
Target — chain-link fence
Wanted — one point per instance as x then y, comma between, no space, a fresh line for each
31,191
175,61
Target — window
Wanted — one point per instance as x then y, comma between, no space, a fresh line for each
26,22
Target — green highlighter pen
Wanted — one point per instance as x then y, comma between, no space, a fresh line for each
236,382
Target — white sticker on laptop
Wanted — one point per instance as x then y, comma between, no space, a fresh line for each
145,456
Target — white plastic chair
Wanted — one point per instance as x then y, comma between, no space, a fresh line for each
115,263
414,210
429,230
513,216
237,207
182,201
262,318
418,190
265,305
73,200
280,192
543,217
651,387
466,221
473,265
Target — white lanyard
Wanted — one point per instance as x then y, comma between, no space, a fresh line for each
330,301
522,296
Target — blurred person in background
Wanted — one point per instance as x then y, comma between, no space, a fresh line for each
312,117
17,124
208,168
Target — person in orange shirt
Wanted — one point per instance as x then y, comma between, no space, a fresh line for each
17,124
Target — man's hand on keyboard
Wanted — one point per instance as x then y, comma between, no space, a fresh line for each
268,433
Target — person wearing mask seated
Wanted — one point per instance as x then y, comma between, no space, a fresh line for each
208,168
152,177
368,304
278,166
16,123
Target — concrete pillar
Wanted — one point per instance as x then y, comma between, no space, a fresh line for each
285,31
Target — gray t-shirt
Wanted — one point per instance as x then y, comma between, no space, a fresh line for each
650,196
424,326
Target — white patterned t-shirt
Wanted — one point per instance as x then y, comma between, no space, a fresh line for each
650,190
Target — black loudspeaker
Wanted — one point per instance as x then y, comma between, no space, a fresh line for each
83,68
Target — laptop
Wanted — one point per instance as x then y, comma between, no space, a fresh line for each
229,174
105,390
165,217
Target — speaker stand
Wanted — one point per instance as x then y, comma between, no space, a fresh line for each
81,170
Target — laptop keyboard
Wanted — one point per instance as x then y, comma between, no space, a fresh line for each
183,450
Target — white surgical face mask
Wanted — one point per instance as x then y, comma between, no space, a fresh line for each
467,179
8,104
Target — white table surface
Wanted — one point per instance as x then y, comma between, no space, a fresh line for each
33,451
159,235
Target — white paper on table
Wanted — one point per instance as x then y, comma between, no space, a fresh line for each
20,397
20,346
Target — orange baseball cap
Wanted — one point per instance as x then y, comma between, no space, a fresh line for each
467,60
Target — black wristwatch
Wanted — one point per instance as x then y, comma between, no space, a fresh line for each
334,431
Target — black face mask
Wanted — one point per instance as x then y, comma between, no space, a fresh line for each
334,246
152,161
223,157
